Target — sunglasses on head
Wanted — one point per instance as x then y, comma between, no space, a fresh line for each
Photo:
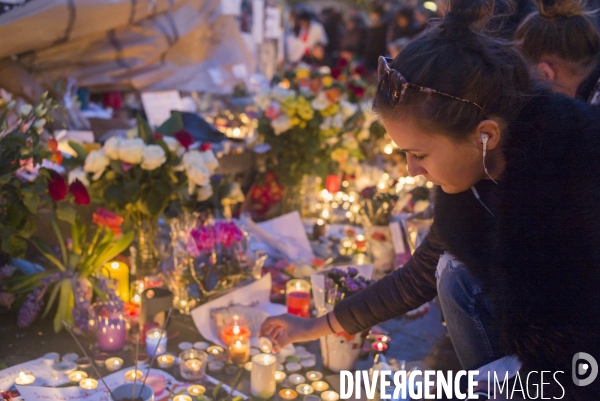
397,84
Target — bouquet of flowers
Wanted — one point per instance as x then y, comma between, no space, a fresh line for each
76,271
341,284
303,118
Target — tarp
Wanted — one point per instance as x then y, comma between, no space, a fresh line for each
117,44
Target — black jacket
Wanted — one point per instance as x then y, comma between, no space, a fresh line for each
538,258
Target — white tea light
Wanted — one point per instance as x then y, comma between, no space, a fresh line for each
133,374
330,395
24,379
196,389
248,366
88,384
51,358
296,379
77,376
113,364
320,386
304,389
280,376
182,397
166,361
313,375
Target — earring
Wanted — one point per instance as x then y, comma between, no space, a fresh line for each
485,138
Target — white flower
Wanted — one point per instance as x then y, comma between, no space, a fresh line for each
348,108
338,121
326,124
25,110
204,193
199,175
39,124
210,160
153,157
132,133
321,102
78,174
130,150
281,124
111,147
96,162
172,143
350,143
11,105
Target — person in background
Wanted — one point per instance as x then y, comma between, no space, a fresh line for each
562,43
334,29
307,33
354,40
404,25
376,38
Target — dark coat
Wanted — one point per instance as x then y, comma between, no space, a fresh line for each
538,258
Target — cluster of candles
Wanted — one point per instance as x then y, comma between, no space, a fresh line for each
380,342
338,203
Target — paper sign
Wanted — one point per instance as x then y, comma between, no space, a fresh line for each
33,393
273,23
397,238
216,75
258,18
158,105
239,71
231,7
287,234
257,294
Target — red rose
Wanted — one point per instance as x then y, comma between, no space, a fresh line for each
379,237
341,63
336,72
57,187
360,70
358,90
53,145
205,146
106,218
58,157
80,192
158,136
184,138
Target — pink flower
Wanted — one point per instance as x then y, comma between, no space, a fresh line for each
273,111
204,237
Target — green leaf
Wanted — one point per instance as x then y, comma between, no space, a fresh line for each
237,398
25,281
53,295
114,250
31,201
59,237
66,292
14,246
47,252
28,229
80,150
98,291
144,130
216,390
172,125
66,213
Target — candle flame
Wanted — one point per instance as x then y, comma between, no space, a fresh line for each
236,329
22,375
238,344
114,265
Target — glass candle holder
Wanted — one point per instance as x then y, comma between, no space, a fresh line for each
235,328
156,342
137,287
111,327
239,351
262,376
298,297
192,364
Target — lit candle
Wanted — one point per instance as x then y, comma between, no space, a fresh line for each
296,379
133,374
320,386
137,287
77,376
298,297
182,397
304,389
382,339
361,243
196,390
319,229
293,367
330,395
248,366
288,394
265,345
192,364
313,375
262,376
166,361
112,330
235,332
24,379
239,352
118,271
280,376
88,384
156,341
113,364
215,350
379,346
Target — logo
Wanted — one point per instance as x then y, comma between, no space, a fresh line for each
581,369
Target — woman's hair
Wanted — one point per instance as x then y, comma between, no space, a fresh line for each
455,57
560,28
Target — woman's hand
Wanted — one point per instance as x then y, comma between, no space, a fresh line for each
285,329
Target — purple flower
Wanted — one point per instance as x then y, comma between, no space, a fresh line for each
30,308
352,272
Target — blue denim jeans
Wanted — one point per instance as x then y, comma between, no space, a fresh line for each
468,314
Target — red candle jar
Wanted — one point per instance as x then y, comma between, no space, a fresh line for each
235,328
379,346
361,243
332,183
298,297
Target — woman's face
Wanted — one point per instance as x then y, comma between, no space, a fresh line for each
456,167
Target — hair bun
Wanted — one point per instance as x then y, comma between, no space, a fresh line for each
468,14
560,8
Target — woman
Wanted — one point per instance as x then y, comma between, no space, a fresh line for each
513,250
563,44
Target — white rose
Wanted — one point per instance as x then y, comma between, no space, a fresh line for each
338,121
172,143
111,147
192,158
326,124
321,102
39,124
78,174
281,124
348,109
96,162
210,160
153,157
204,193
25,110
132,133
199,175
130,150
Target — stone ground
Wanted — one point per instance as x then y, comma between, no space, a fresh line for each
421,341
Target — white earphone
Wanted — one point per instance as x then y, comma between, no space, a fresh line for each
485,138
